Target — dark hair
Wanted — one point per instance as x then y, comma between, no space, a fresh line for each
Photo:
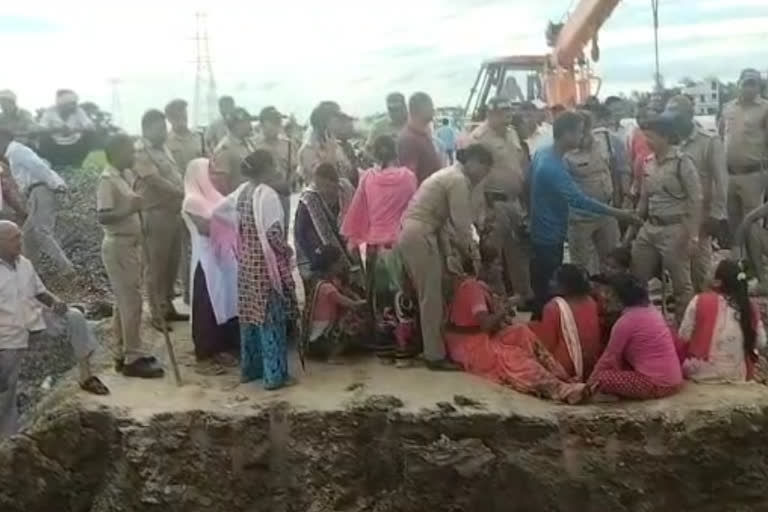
601,112
630,290
567,122
257,163
175,107
324,258
622,256
321,116
327,171
446,122
737,294
476,152
489,253
395,96
384,149
558,109
665,126
417,101
226,99
151,117
114,144
573,280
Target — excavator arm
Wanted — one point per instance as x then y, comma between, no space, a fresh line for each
582,26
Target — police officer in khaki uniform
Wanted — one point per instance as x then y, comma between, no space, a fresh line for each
284,151
185,146
160,183
118,208
670,203
503,191
708,155
591,238
219,128
231,152
744,125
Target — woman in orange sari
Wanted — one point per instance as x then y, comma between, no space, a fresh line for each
479,338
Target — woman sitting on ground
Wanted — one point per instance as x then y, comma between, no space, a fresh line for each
215,330
480,339
640,361
333,319
722,330
570,323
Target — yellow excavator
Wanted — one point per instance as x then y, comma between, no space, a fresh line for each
564,77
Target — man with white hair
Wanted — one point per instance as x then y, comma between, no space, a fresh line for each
17,120
28,310
67,128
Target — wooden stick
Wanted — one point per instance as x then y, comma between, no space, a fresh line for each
171,353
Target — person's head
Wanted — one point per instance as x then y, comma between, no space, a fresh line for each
66,101
570,281
271,121
476,160
630,291
324,119
642,113
176,112
615,106
153,127
489,253
499,110
421,108
345,127
619,261
328,262
586,140
326,182
556,110
680,106
397,109
602,115
661,132
226,106
8,102
6,136
750,83
120,152
730,280
568,130
384,150
258,165
10,241
239,123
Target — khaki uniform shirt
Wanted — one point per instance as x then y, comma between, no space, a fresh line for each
383,127
283,151
671,192
151,161
22,125
215,134
228,159
746,134
115,192
314,152
185,147
591,170
506,175
708,155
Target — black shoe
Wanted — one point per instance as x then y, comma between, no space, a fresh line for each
119,365
175,316
442,365
144,368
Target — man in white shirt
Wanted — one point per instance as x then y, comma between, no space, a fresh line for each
27,310
67,130
39,184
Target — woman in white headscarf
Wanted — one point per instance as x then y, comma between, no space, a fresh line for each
215,331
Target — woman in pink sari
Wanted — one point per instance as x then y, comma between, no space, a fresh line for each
373,219
480,340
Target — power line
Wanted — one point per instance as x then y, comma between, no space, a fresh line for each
204,106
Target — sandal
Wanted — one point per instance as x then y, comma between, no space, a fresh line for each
227,360
94,386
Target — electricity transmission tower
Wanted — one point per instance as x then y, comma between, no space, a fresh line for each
658,81
204,107
117,106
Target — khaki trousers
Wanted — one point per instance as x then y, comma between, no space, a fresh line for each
38,229
701,264
590,241
745,193
162,250
668,245
122,260
514,251
420,250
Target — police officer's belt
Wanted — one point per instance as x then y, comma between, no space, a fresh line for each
665,220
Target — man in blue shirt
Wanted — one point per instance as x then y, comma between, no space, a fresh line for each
447,136
553,192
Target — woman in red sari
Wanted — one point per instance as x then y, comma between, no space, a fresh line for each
479,338
570,323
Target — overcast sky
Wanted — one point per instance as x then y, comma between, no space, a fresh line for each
294,53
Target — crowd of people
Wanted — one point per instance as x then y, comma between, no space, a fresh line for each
432,251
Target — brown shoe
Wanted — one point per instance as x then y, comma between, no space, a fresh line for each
144,368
